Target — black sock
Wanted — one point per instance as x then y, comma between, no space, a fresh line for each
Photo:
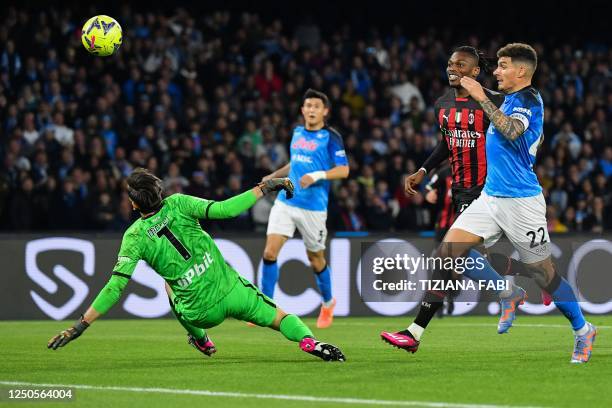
432,301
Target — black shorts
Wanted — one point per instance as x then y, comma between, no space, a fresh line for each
462,198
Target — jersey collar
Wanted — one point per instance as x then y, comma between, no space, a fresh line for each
144,217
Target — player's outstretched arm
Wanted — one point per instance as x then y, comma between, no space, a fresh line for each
107,298
233,206
282,172
508,126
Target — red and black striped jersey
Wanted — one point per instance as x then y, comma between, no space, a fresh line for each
464,124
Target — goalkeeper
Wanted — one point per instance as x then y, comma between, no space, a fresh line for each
202,288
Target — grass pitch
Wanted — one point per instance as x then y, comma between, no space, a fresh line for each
462,362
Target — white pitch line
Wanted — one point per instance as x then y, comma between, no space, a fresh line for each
304,398
543,325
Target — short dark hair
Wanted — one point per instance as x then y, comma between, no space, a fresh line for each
479,56
145,189
519,52
313,93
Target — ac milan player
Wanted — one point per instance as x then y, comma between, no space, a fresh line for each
463,124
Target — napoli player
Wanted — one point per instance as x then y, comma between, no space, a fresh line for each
463,124
512,202
317,156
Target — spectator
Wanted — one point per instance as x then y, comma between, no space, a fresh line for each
174,103
22,208
568,138
605,163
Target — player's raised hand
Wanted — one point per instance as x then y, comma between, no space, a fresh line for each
268,177
474,88
66,336
412,181
277,184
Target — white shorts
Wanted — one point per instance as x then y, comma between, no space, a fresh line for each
523,220
311,224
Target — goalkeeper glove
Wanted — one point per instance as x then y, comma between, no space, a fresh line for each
68,335
277,184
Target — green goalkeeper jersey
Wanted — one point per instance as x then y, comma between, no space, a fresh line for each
174,244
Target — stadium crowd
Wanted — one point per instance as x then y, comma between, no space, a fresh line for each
208,102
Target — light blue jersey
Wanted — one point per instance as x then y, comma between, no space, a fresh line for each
313,151
510,163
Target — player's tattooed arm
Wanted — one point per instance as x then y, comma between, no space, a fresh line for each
511,128
508,126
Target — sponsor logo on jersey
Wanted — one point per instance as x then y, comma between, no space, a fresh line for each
462,134
301,158
454,142
304,144
195,270
341,153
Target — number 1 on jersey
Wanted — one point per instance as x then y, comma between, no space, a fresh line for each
165,232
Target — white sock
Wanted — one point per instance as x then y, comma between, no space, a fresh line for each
416,331
583,331
328,303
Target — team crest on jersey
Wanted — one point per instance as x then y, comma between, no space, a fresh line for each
471,118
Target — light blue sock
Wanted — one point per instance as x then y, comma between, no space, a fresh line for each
324,283
481,270
269,278
566,302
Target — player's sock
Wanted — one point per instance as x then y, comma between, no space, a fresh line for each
294,329
269,278
324,283
432,301
481,270
196,332
415,331
566,301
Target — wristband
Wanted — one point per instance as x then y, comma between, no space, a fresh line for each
318,175
424,170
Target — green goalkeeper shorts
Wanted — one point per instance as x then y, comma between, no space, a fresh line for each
244,302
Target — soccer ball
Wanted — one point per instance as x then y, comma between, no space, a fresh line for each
101,35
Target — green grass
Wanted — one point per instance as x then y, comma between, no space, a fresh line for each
461,360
